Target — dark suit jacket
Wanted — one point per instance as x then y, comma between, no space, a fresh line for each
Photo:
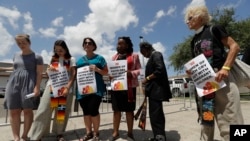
157,88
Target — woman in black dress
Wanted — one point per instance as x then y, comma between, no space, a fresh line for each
124,101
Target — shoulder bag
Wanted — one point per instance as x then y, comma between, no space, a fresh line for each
240,71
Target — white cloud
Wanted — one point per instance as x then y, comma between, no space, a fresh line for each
102,23
57,22
46,56
158,46
12,15
171,10
48,32
28,25
6,41
160,14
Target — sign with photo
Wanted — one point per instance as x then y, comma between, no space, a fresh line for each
203,76
117,71
59,79
86,81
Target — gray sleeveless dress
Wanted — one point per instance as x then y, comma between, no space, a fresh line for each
22,81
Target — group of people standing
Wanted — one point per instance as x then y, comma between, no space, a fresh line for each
26,78
27,75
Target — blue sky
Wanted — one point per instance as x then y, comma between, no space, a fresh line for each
161,22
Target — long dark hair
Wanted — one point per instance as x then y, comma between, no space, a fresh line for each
128,42
63,44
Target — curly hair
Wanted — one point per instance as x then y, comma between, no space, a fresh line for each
128,42
199,11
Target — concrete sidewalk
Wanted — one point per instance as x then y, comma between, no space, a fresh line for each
181,125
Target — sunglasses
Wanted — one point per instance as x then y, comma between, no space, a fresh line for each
88,43
58,50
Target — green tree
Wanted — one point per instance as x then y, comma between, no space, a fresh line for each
239,30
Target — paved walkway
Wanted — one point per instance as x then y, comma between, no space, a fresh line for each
181,125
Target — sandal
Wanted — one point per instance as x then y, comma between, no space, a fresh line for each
88,136
60,138
113,138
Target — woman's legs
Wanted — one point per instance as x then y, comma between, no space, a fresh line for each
15,121
88,123
28,119
96,123
116,123
130,122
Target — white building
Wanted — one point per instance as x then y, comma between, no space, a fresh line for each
4,76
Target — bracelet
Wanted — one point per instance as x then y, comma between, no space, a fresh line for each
226,68
147,78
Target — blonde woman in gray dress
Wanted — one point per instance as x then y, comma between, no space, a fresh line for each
25,79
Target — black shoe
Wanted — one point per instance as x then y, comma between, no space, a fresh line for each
130,137
150,139
60,138
160,138
113,138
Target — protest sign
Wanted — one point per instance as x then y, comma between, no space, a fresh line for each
203,76
117,70
86,81
59,79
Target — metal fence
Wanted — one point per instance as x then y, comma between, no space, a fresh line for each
187,103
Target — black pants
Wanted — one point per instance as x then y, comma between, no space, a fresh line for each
157,118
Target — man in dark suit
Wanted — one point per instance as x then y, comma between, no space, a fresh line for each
156,89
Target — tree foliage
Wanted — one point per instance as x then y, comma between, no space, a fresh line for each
239,30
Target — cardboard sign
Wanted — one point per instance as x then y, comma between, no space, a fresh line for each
59,79
203,76
117,70
86,81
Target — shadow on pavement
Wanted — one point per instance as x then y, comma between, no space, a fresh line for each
105,134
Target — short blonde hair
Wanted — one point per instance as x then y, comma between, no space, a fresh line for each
23,36
199,11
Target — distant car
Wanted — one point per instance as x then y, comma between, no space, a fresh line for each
180,86
2,91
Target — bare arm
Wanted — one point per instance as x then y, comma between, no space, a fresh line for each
39,72
72,76
232,54
233,47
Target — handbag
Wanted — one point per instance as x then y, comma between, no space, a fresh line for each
240,72
142,112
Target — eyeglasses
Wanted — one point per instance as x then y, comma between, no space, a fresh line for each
88,43
190,18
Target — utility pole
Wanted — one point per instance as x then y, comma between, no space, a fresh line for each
143,65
